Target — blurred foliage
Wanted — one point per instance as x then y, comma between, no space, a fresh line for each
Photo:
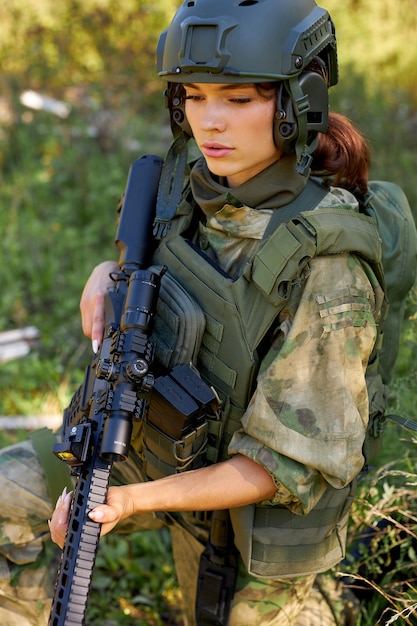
376,39
378,82
58,200
134,582
82,50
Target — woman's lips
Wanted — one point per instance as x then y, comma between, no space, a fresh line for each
215,150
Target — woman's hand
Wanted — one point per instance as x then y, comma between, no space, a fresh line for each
59,521
118,506
92,301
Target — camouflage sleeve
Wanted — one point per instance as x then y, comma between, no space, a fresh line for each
307,420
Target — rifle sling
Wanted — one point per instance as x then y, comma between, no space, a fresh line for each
56,472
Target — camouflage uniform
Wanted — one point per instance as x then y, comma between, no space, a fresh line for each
25,575
311,388
261,602
28,559
311,394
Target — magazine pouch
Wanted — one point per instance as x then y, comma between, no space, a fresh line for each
175,429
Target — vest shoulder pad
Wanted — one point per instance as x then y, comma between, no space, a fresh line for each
283,255
339,230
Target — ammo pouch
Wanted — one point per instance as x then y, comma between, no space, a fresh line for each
276,543
175,429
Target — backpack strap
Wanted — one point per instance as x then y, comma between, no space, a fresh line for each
310,197
170,186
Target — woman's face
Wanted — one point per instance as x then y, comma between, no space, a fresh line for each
233,127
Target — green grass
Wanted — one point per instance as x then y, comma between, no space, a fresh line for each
137,574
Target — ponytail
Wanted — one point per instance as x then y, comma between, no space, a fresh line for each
342,156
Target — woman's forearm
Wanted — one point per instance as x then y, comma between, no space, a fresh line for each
236,482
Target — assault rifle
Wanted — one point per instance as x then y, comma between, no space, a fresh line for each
97,424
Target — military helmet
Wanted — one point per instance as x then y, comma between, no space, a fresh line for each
256,41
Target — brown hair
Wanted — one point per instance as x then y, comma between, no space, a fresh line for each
342,156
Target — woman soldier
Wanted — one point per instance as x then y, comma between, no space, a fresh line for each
286,350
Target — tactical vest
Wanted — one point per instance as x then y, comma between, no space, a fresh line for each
238,315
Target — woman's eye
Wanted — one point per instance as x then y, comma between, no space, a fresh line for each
234,99
192,97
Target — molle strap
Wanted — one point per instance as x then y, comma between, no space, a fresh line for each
276,543
221,432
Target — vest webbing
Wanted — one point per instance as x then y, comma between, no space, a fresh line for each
331,230
275,543
239,313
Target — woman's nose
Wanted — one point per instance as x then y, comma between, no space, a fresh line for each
213,118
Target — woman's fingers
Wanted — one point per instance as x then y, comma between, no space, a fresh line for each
58,524
92,301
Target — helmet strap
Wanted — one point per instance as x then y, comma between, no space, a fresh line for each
171,184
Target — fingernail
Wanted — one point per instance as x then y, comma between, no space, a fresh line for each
95,346
61,498
65,504
96,516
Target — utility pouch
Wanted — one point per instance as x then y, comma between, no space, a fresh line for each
276,543
179,324
175,427
217,574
